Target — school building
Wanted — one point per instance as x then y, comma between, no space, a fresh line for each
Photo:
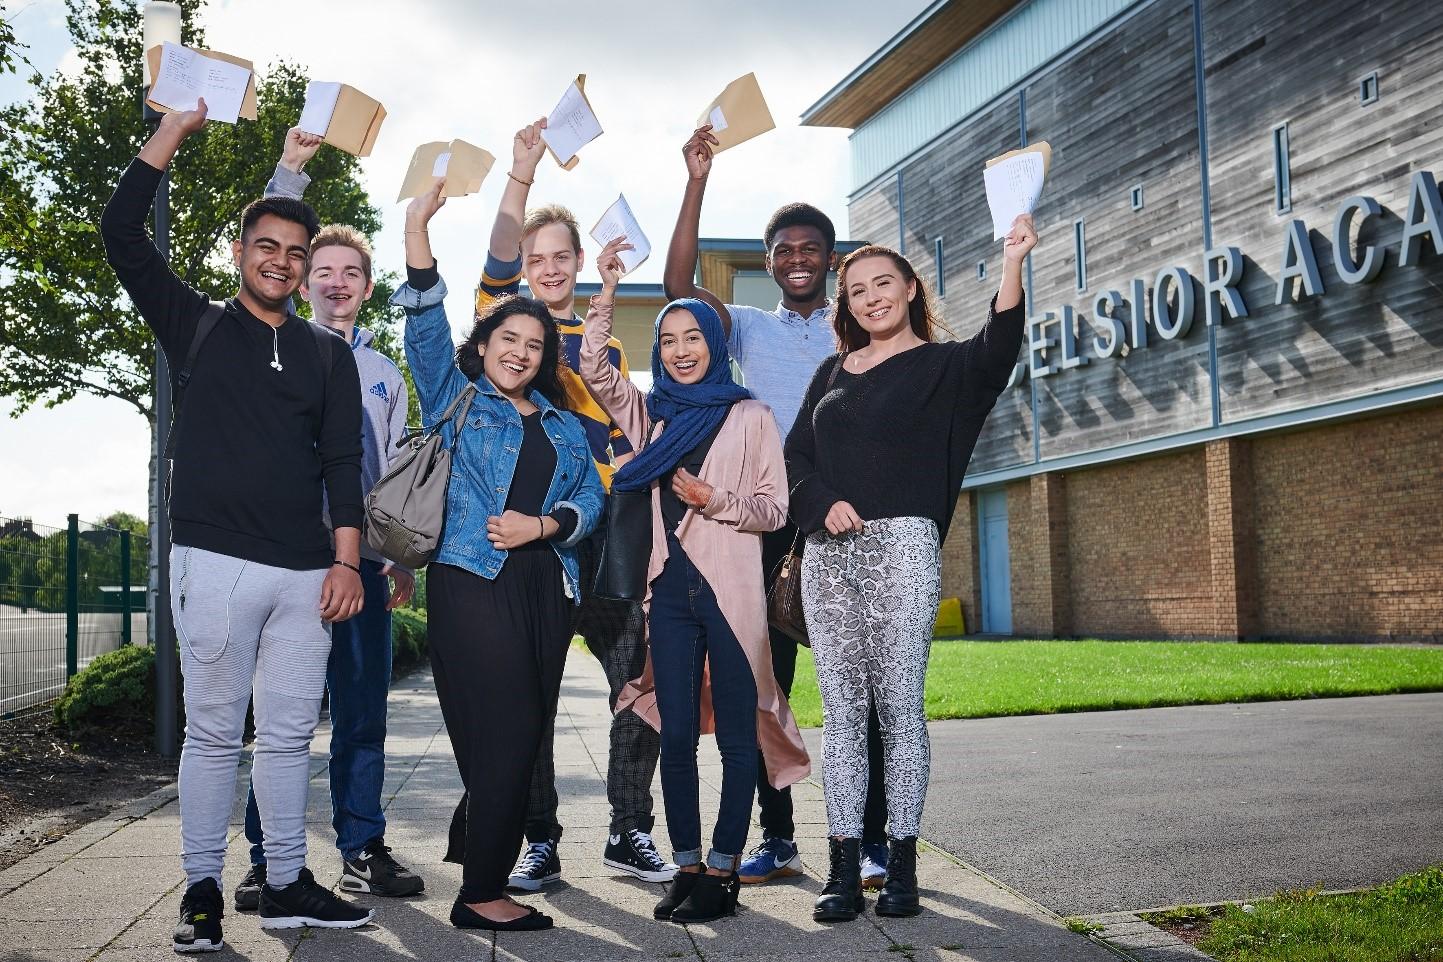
1227,420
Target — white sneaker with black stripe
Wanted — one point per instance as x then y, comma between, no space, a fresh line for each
634,853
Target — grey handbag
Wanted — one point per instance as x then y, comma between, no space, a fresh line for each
406,510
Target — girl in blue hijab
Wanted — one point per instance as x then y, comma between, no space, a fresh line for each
692,396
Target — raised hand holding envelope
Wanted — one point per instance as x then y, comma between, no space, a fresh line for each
571,125
1014,184
619,221
183,75
463,165
738,114
345,117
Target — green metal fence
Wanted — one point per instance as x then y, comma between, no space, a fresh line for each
66,595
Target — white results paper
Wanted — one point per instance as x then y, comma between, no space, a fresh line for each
1013,188
321,99
616,222
571,125
185,76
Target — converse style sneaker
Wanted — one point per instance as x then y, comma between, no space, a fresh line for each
539,865
773,859
248,893
304,903
376,872
634,853
201,909
874,864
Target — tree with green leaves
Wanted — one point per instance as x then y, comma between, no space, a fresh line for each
66,327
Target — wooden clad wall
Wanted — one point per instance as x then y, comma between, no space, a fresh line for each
1300,62
1122,110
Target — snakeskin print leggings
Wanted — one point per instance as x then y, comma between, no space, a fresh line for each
871,602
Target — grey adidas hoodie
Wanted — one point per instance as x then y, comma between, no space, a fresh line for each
383,390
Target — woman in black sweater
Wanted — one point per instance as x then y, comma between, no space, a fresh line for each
875,461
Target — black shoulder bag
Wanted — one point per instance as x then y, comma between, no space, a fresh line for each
626,552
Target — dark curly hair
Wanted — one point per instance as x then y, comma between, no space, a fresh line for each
850,334
800,215
548,376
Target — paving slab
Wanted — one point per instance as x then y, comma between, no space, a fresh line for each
111,890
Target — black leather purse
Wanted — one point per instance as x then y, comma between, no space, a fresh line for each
626,553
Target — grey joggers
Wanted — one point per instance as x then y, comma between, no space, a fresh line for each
245,626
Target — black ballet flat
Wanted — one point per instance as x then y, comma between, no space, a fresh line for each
464,917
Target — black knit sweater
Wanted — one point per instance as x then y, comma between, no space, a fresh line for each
894,441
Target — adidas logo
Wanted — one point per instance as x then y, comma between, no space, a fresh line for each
379,389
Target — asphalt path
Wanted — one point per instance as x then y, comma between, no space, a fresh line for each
1116,811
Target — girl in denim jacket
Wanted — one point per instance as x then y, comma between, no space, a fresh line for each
523,492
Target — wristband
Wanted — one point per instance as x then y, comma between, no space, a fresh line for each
524,183
541,528
345,564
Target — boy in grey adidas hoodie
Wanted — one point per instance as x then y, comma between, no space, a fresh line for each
337,283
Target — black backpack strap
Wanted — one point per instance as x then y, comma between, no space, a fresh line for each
209,318
326,342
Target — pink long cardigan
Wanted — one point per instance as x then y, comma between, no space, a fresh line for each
746,469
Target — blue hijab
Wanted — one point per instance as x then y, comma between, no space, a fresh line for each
691,411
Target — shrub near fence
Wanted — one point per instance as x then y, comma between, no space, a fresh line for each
63,601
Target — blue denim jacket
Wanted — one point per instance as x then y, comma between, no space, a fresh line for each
483,465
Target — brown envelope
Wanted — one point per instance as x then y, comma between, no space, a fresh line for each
1041,147
248,102
355,122
465,171
745,112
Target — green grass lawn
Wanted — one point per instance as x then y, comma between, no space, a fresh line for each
1401,921
975,679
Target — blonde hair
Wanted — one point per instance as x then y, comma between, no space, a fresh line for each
343,235
551,214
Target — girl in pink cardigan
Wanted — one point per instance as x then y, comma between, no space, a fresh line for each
718,481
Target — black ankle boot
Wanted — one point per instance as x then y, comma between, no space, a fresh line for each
712,897
899,893
676,892
841,899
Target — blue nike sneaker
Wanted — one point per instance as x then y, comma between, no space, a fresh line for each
874,864
773,859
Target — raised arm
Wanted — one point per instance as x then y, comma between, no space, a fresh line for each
527,149
991,353
429,350
679,277
169,306
290,179
615,392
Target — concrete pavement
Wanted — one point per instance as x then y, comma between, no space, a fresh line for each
111,890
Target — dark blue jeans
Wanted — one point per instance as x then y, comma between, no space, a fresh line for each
689,633
359,678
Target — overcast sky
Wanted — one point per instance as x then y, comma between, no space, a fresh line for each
456,68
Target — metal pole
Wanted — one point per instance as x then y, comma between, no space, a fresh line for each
72,596
167,659
125,588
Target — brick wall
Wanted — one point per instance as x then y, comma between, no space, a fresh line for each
1138,548
1349,536
959,562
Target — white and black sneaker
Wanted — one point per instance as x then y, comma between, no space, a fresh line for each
376,872
635,854
304,903
539,865
248,892
201,909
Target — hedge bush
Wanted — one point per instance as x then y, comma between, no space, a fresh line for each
408,640
115,691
